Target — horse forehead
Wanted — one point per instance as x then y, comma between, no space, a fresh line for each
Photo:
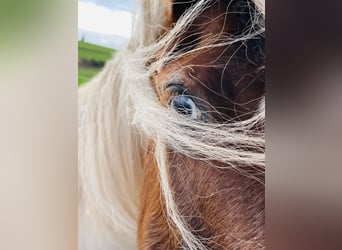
219,17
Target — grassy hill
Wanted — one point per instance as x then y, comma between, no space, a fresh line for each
91,59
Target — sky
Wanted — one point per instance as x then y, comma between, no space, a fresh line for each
105,22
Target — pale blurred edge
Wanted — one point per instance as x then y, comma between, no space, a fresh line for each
38,129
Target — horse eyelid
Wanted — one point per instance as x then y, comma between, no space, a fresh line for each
176,88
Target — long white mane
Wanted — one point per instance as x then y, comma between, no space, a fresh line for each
119,113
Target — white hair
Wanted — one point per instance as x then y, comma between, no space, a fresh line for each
119,114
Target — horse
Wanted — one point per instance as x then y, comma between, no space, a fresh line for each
171,132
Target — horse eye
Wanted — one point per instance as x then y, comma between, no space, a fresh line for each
184,105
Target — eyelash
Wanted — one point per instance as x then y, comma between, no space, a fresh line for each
177,89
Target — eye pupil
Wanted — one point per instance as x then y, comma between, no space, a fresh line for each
184,105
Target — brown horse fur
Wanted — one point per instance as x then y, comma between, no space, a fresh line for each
223,208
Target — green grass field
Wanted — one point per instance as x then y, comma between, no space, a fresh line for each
88,51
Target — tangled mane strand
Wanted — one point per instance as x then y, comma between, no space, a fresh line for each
119,113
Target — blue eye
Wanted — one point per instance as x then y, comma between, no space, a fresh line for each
184,105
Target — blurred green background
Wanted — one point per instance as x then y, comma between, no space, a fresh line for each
91,59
